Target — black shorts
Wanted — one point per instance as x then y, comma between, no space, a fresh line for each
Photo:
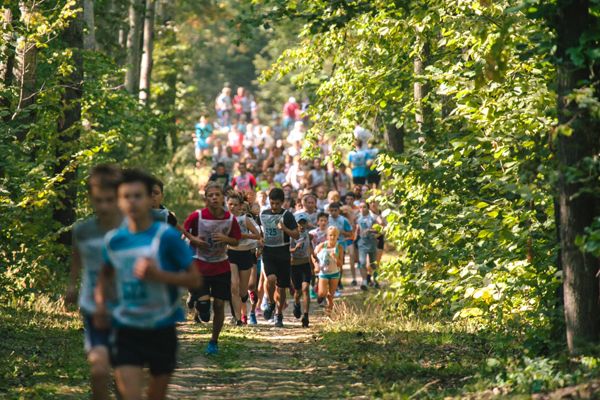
216,286
242,258
380,242
301,273
359,180
277,263
374,177
154,348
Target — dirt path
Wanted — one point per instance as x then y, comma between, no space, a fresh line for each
263,362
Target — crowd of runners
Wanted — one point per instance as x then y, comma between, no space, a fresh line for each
272,223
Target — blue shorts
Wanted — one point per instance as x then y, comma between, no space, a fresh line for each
201,144
335,275
93,336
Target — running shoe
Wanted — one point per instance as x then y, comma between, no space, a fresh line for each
338,293
197,318
279,321
313,294
363,287
305,321
376,285
340,286
320,301
253,297
252,320
191,301
265,303
212,348
244,320
268,313
354,283
297,310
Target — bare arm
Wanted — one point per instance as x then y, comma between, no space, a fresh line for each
340,259
252,228
147,269
105,280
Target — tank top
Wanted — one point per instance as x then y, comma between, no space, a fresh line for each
245,244
242,183
216,252
274,237
142,304
328,260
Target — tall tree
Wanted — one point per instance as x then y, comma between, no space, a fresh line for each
132,74
7,61
89,39
146,66
578,206
69,128
25,68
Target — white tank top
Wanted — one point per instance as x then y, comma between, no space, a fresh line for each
245,244
216,252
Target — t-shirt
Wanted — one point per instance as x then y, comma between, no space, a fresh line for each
88,239
343,225
318,236
203,131
244,182
290,109
220,179
372,155
358,159
191,226
300,256
142,303
163,214
365,223
276,240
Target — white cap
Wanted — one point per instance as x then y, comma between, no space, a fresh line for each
292,99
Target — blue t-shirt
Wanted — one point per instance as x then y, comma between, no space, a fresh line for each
343,225
203,131
358,159
141,303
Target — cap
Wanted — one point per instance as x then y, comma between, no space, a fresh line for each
301,216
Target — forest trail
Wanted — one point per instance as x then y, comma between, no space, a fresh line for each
264,362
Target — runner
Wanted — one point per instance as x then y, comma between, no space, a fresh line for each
159,211
301,251
210,231
344,230
330,259
358,159
367,243
309,206
220,176
147,261
278,226
376,212
88,239
242,258
203,131
245,180
318,236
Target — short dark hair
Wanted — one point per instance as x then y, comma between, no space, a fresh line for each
322,215
277,194
335,205
105,176
132,175
213,185
160,184
219,164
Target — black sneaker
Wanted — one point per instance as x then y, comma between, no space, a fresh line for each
376,285
197,318
354,283
191,301
363,287
305,321
340,286
297,310
279,321
268,313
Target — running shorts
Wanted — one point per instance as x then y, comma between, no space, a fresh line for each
92,336
301,273
335,275
374,177
152,348
380,242
278,264
216,286
243,259
359,180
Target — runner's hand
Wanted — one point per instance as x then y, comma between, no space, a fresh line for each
219,237
280,225
71,295
199,243
145,268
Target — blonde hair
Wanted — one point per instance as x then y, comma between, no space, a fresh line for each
334,230
333,196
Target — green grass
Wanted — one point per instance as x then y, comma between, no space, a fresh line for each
42,353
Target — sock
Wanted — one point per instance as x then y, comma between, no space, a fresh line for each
368,278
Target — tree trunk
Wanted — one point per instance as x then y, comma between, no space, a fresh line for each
69,129
146,66
89,39
420,90
8,58
577,208
25,71
132,75
394,138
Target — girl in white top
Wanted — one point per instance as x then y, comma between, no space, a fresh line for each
328,266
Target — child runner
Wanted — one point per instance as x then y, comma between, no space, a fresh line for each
318,236
367,242
88,239
203,131
245,180
309,206
159,211
220,175
358,159
344,230
330,259
241,258
148,261
278,226
301,251
210,231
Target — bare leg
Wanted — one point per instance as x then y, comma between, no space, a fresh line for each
157,387
352,254
236,302
100,372
305,296
244,278
129,382
333,284
271,282
281,299
218,319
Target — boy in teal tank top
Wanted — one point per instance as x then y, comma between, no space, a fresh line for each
147,262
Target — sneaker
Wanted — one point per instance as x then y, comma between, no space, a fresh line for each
340,287
320,301
279,322
212,348
354,283
313,294
197,318
252,320
363,287
297,310
305,321
265,304
376,285
191,301
239,322
338,293
244,320
268,313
